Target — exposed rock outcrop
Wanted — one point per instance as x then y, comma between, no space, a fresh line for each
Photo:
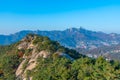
30,57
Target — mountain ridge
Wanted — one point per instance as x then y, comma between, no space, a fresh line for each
71,38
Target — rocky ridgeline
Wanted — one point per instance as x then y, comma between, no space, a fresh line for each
30,57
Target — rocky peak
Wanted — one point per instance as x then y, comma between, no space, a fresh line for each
34,47
76,29
27,42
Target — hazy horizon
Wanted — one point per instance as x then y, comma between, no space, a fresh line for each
103,15
58,30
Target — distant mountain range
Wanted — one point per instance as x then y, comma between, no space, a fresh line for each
71,38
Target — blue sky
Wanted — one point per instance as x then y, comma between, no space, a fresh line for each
98,15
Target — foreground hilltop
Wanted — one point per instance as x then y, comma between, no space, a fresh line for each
71,38
25,55
39,58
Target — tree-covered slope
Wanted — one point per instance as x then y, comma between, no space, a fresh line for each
38,58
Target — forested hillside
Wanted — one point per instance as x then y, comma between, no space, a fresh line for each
39,58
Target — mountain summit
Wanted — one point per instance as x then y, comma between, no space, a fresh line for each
24,56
